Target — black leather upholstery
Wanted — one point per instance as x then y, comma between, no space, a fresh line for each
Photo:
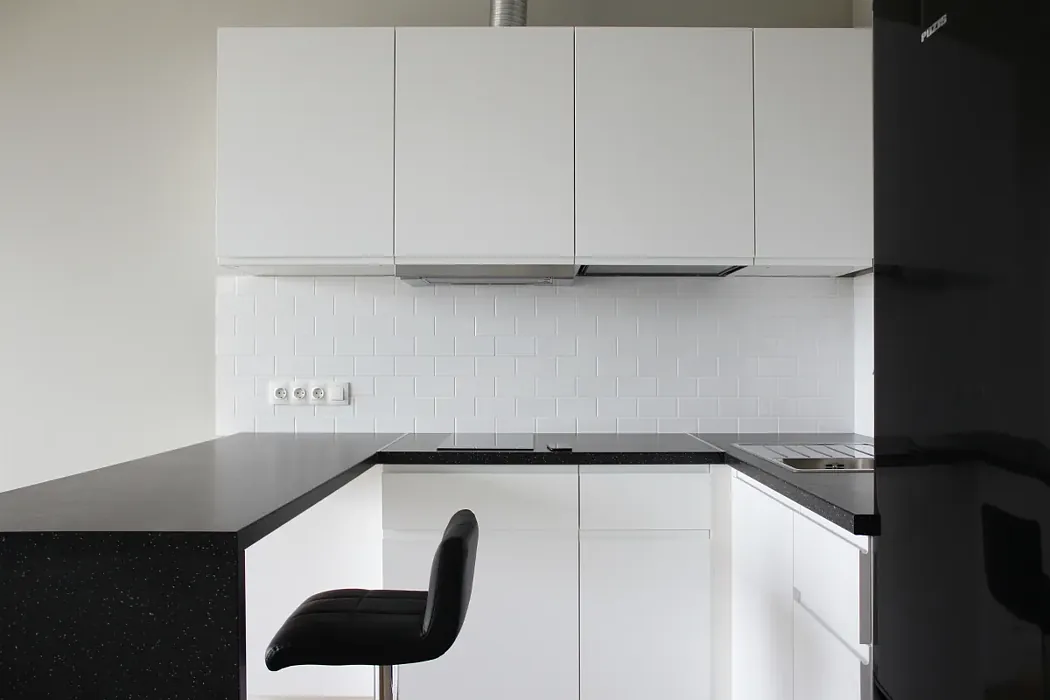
385,628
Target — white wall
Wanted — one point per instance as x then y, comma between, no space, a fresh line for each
864,354
721,13
719,355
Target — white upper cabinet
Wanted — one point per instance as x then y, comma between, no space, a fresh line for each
305,146
664,145
484,155
813,146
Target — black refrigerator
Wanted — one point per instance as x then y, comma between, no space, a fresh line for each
962,349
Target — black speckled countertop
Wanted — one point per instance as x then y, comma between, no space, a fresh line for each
846,499
621,448
248,485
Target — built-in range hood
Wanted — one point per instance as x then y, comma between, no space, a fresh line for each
554,274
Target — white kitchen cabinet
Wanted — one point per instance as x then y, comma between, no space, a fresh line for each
824,667
813,146
762,601
335,544
645,497
305,147
833,579
645,615
645,582
520,640
524,608
664,145
484,154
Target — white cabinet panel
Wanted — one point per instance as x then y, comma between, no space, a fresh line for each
305,144
762,596
335,544
645,615
814,178
824,667
650,497
830,575
535,498
484,156
664,145
520,640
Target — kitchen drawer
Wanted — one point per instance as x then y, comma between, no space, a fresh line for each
646,497
505,498
833,582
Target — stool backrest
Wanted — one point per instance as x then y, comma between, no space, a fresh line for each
451,580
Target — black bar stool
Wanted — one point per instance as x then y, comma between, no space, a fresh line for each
385,628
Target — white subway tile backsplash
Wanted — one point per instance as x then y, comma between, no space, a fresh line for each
602,355
578,366
617,408
514,345
698,408
494,366
658,407
676,386
256,366
396,387
494,325
314,345
453,366
577,407
477,387
600,387
720,387
475,345
414,366
515,386
302,366
740,408
435,387
636,386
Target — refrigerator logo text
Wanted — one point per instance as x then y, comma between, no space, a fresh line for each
934,27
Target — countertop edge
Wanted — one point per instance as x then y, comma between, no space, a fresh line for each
767,474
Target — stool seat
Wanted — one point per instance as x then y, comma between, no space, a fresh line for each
354,628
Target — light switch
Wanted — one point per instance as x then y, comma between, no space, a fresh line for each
337,394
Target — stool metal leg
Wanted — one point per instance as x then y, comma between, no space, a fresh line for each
386,683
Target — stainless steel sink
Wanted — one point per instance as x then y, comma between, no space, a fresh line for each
824,458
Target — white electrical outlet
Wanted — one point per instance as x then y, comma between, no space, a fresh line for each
300,393
318,393
278,391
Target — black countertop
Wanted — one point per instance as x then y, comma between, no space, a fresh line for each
246,484
594,448
846,499
251,484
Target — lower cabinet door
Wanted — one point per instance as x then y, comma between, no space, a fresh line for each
826,668
645,615
520,640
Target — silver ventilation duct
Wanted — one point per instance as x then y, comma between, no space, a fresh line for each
509,13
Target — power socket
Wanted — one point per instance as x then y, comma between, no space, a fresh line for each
277,392
299,393
318,393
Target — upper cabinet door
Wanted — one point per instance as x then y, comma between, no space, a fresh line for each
664,145
305,144
484,156
813,144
